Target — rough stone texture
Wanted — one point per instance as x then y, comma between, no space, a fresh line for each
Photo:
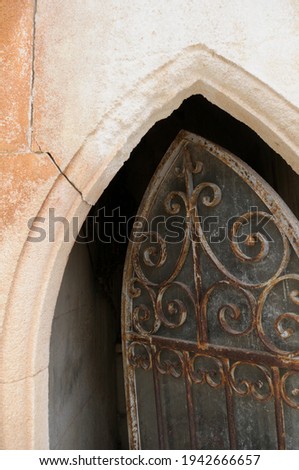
104,73
25,179
18,432
16,79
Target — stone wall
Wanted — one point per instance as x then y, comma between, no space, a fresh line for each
83,82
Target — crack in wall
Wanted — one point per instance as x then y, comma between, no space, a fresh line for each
31,99
67,178
41,152
22,379
31,111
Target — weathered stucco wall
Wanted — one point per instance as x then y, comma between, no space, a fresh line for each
84,81
96,54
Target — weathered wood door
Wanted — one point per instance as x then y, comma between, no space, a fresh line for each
211,307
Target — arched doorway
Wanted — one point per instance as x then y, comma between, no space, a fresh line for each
126,191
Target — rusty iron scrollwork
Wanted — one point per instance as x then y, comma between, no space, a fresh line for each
218,306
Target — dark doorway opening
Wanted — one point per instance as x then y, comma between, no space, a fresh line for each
86,392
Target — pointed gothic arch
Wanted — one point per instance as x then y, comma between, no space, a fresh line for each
27,324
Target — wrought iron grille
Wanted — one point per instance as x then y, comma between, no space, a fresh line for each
211,307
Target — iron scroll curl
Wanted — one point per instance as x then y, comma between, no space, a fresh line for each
216,318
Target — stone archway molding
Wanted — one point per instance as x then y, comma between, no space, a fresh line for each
36,283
